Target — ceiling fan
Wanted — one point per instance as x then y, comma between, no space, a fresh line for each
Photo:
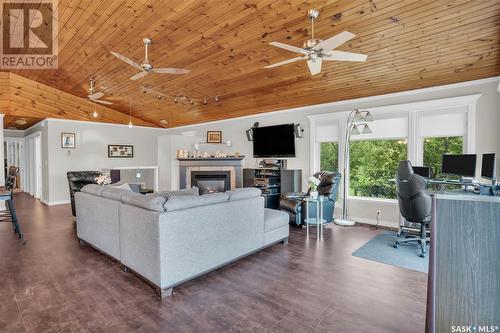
316,50
95,96
146,67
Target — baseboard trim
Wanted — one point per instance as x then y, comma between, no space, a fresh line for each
54,203
371,222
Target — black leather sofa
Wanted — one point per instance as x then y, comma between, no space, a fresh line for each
77,180
294,205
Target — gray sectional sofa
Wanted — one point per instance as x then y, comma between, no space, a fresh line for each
171,237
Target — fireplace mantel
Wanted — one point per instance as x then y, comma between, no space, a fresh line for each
231,164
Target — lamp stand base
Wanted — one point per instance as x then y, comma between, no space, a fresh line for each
344,222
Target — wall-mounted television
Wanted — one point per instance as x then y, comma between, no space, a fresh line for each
274,141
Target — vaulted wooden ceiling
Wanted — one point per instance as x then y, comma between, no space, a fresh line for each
410,44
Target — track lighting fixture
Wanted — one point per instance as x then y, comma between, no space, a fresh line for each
180,98
95,114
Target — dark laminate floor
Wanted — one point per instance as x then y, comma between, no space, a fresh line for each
54,284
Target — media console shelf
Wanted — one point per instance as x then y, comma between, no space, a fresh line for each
273,182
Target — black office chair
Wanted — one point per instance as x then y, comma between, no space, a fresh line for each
414,204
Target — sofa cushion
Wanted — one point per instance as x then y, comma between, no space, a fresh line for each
149,202
114,193
125,186
183,192
244,193
93,189
190,201
274,219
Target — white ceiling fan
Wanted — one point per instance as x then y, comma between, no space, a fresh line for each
146,67
95,96
316,50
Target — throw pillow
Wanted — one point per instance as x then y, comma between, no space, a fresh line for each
124,186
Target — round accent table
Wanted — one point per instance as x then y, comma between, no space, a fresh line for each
317,221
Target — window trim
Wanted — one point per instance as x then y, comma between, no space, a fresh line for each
412,111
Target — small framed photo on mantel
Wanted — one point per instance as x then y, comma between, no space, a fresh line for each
68,140
121,151
214,136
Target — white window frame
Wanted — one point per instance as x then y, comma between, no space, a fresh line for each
412,111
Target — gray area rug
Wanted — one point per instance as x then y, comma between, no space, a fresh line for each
380,248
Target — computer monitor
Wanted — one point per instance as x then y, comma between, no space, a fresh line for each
488,166
423,171
459,165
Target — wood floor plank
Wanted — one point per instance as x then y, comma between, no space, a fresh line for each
54,284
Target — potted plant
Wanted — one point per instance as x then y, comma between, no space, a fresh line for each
313,186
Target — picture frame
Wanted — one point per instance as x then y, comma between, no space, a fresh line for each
68,140
120,151
214,136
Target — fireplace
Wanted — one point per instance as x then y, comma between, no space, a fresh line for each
211,181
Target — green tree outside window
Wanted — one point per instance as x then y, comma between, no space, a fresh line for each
434,148
329,156
372,164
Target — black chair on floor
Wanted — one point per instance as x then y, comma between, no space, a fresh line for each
77,180
295,206
6,195
414,204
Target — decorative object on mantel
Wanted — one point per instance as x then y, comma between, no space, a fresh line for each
313,185
68,140
121,151
214,136
103,179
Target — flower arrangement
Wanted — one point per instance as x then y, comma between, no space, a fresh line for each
313,186
313,183
103,180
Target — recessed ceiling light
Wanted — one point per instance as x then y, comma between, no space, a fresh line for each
21,121
164,122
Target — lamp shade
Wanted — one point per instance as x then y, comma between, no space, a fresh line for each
355,130
368,116
366,129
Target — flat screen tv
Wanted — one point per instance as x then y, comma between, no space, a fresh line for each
274,141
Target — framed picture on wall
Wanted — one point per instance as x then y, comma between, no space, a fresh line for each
214,137
68,140
121,151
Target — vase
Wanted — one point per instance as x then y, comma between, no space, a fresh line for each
313,194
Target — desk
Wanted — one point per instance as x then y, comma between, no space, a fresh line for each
464,263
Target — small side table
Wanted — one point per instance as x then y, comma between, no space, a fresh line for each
317,221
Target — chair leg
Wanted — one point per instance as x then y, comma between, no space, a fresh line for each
423,240
15,222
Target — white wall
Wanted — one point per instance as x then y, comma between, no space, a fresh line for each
91,153
158,146
487,133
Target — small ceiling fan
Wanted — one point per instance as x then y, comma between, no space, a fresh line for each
146,67
316,50
95,96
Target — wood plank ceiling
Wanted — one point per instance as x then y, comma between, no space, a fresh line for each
410,44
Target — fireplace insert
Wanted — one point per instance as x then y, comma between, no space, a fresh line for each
211,181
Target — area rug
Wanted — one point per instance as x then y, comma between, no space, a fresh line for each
380,248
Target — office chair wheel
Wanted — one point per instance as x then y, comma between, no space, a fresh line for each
396,245
422,255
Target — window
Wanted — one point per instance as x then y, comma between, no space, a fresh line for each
329,156
434,148
372,164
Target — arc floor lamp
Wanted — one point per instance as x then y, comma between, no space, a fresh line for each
356,123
